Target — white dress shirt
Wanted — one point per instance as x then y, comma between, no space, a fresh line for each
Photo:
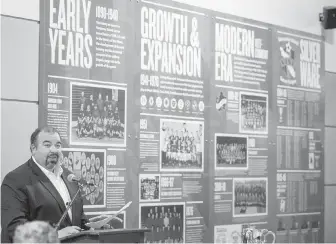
57,181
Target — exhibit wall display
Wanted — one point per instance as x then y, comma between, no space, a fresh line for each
209,123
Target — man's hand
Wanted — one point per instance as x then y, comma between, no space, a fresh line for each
67,231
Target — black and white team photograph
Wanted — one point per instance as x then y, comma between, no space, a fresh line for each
98,115
166,221
149,187
181,145
231,151
253,113
89,165
250,197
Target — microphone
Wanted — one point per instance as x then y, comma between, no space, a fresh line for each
79,181
74,178
69,205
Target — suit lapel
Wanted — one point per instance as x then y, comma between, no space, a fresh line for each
49,186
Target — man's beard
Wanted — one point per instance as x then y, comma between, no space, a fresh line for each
52,160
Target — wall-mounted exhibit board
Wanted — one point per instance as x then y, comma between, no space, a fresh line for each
207,122
298,72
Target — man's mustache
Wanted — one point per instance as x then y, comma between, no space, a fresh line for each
53,155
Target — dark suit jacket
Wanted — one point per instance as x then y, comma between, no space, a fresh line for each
27,194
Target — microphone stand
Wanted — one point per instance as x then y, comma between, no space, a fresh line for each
68,207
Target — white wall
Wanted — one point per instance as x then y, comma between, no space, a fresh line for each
19,80
27,9
295,14
19,23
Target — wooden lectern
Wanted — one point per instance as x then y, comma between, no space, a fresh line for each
109,236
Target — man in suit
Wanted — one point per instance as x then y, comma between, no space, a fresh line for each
39,190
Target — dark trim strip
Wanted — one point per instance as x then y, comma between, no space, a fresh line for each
19,100
333,184
330,126
21,18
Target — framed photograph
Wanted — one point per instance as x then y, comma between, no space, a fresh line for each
149,187
231,151
114,223
250,197
166,220
181,145
98,115
253,113
89,165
